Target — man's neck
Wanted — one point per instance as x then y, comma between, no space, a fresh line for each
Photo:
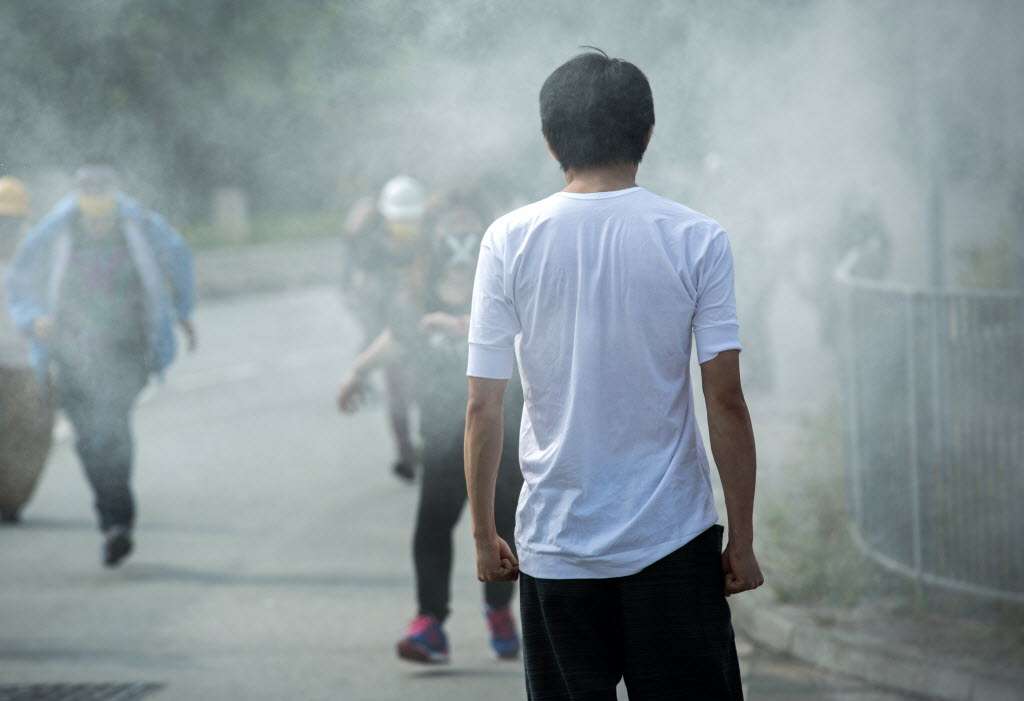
603,179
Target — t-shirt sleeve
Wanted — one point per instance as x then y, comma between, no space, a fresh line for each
493,322
715,325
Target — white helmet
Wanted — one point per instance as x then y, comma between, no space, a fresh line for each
403,199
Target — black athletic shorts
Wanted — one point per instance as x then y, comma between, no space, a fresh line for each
665,630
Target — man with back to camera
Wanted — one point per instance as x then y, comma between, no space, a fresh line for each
597,290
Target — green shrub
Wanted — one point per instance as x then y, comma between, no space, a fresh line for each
989,266
804,536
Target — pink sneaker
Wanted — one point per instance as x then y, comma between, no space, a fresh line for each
424,641
504,637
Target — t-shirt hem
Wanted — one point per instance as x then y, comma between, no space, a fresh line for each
554,566
712,340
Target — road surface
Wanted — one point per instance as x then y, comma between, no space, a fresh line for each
273,547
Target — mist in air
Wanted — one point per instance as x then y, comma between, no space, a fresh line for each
866,159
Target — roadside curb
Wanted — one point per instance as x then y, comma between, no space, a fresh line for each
267,267
897,666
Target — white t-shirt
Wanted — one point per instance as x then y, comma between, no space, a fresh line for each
598,294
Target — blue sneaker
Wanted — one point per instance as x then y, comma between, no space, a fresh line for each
424,641
504,638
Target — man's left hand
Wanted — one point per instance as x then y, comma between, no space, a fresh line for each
495,561
190,335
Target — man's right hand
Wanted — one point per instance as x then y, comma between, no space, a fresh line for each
42,328
495,561
739,565
351,393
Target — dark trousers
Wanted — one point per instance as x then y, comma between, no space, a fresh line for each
98,399
665,630
396,380
442,497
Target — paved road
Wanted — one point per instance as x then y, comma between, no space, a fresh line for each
273,548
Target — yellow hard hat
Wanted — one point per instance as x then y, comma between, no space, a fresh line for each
13,197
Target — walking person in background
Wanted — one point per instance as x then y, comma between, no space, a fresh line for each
598,289
383,275
434,349
26,412
97,287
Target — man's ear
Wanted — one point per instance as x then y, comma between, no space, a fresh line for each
647,139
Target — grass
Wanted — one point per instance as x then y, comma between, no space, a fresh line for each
811,560
804,526
993,265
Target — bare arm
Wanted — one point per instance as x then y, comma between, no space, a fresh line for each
381,351
484,437
451,324
732,444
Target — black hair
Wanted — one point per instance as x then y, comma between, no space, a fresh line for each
596,111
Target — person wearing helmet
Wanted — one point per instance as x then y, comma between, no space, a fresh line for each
26,413
434,349
383,274
97,287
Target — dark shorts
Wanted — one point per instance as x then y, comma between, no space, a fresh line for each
665,630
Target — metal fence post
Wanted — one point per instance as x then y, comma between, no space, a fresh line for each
936,424
853,378
955,550
912,455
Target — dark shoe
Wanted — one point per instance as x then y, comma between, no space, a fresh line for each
404,471
9,516
424,641
116,546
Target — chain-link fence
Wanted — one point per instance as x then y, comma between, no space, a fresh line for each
933,394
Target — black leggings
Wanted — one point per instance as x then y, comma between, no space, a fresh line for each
442,496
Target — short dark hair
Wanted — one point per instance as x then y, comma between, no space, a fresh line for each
596,111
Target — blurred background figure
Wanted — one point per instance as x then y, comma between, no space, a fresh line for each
434,349
859,229
382,277
887,401
97,287
756,290
26,413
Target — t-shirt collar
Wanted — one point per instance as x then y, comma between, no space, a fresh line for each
599,195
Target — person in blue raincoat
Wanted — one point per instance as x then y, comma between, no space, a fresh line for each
97,287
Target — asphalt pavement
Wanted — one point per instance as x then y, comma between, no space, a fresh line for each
273,546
